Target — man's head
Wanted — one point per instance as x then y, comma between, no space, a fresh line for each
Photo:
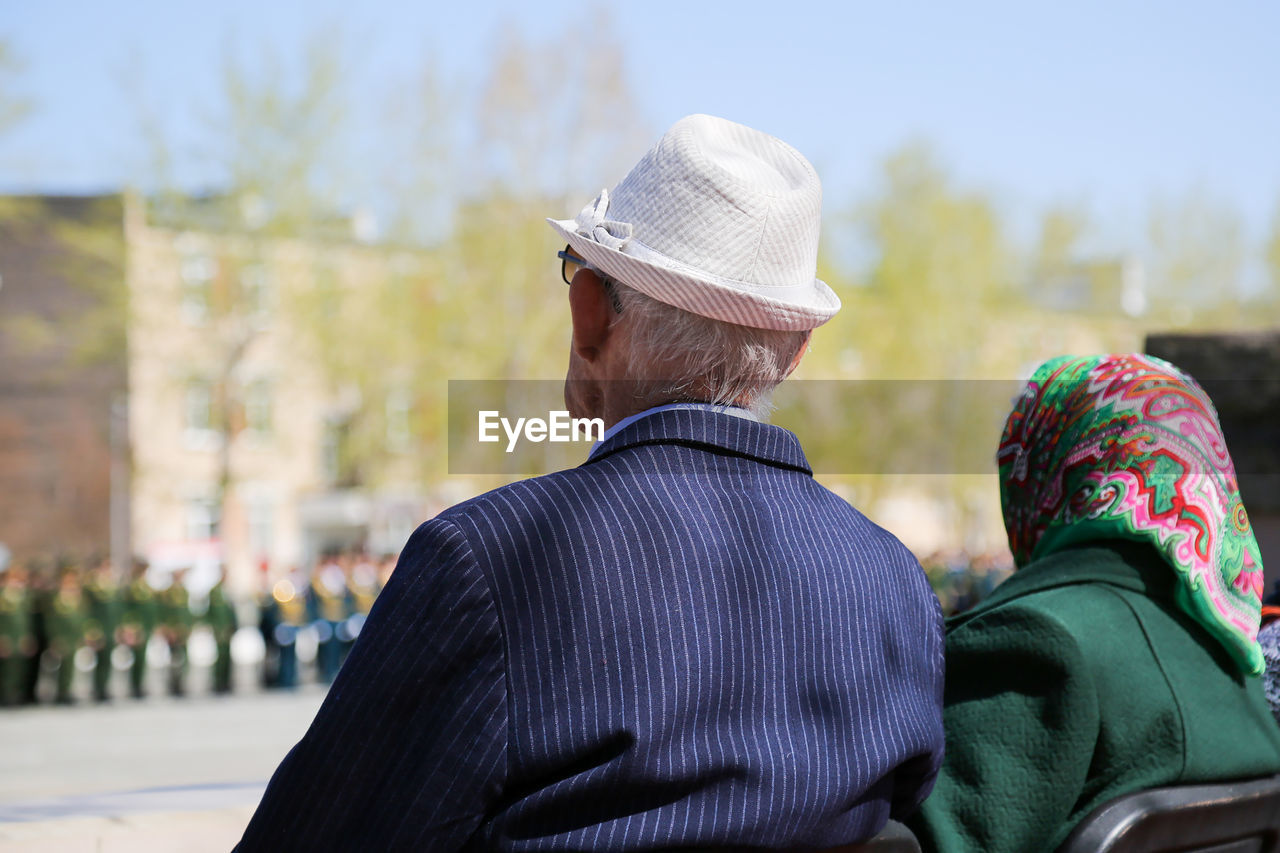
693,280
69,577
14,576
649,353
102,569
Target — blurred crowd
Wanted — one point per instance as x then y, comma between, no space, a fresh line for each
60,617
323,609
961,580
308,620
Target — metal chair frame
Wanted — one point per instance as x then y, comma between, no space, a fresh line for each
1225,817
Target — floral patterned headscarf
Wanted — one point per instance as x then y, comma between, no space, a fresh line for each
1129,446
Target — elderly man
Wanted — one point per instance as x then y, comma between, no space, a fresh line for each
684,642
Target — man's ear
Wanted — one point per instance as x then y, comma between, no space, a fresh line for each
589,307
804,348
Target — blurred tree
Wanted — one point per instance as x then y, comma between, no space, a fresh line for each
555,124
13,106
560,116
938,267
89,231
1058,247
1197,255
1056,278
938,276
418,175
484,300
1062,276
93,231
13,109
278,145
274,141
552,125
1272,257
280,149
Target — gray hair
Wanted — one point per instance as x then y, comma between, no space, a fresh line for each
676,355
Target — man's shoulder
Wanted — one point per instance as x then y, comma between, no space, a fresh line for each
864,527
535,502
618,481
530,495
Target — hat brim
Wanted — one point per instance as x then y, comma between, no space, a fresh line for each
780,307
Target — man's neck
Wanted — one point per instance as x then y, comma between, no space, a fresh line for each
620,399
620,413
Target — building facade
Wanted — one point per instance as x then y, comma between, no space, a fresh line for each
63,378
237,427
167,390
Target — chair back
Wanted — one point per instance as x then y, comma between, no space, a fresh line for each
1225,817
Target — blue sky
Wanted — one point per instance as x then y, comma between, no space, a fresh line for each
1105,104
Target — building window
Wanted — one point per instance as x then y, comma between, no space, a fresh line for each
330,452
197,288
199,406
399,430
261,527
198,415
202,519
335,462
257,407
255,287
327,294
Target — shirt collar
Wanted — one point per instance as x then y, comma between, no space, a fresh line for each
715,429
736,411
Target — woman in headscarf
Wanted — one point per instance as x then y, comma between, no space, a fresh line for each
1122,653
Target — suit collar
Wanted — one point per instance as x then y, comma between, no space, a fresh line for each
714,432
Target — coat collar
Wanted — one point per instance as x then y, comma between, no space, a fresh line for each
1129,565
714,432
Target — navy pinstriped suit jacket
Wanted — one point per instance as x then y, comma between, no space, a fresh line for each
684,642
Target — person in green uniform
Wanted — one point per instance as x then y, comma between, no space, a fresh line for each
176,621
221,618
102,609
138,618
41,584
17,637
1122,653
66,620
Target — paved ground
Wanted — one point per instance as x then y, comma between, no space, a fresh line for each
161,774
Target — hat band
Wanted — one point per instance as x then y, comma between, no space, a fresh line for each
633,248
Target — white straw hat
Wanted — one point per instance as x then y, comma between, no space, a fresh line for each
718,219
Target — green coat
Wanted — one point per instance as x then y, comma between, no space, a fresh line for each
16,632
102,609
1078,681
221,614
66,622
175,613
141,608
